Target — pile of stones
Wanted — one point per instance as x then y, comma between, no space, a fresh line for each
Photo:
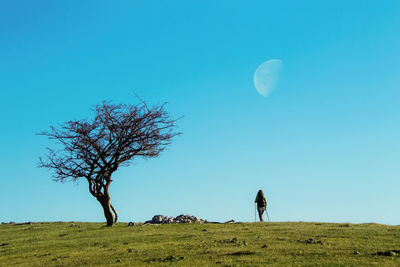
161,219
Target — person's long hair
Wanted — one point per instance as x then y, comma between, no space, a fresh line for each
260,193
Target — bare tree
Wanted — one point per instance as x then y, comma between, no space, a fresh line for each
94,149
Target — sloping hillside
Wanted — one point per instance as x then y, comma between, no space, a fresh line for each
243,244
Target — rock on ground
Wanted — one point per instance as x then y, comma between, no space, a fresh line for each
161,219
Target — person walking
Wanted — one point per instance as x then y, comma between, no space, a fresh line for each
261,204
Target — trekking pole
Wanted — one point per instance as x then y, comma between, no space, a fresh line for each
267,214
255,212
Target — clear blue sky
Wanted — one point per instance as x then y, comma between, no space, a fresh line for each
324,145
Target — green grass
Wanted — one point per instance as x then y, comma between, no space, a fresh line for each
240,244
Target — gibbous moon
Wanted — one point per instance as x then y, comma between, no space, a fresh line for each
266,76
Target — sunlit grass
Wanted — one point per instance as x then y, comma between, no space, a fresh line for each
240,244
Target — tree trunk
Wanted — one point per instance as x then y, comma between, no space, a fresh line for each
106,204
115,213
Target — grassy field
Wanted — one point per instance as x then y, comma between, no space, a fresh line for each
239,244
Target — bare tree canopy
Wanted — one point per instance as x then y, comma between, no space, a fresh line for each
94,149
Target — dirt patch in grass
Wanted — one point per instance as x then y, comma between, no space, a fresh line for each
310,241
242,253
169,258
234,241
388,253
